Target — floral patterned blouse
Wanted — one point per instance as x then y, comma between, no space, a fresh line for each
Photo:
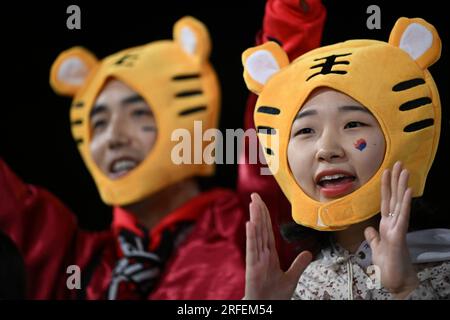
338,275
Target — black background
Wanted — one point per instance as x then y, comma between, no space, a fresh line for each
34,122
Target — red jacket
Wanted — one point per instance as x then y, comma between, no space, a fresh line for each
208,264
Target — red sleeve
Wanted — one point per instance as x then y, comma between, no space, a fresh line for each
44,231
297,26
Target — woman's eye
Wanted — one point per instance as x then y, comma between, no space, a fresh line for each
354,124
99,124
141,112
304,131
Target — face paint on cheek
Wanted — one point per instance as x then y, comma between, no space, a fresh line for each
360,144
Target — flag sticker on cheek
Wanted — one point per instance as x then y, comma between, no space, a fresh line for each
360,144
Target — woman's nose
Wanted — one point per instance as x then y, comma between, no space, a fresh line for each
330,149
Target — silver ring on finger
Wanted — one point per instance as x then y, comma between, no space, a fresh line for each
391,215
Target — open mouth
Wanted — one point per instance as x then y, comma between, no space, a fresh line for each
335,184
121,167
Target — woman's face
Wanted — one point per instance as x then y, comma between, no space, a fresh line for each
336,145
123,129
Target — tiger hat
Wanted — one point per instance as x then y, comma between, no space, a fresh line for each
389,78
176,80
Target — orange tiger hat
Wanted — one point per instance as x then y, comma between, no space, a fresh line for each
176,80
389,78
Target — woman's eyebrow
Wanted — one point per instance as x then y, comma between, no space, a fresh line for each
306,113
99,108
353,108
132,99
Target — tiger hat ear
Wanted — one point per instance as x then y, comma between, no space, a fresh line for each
71,69
418,38
261,62
193,37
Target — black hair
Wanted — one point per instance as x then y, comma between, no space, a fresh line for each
304,238
12,270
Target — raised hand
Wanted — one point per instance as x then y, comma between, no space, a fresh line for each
264,279
389,249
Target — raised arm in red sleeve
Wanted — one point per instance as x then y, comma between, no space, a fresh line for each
46,234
